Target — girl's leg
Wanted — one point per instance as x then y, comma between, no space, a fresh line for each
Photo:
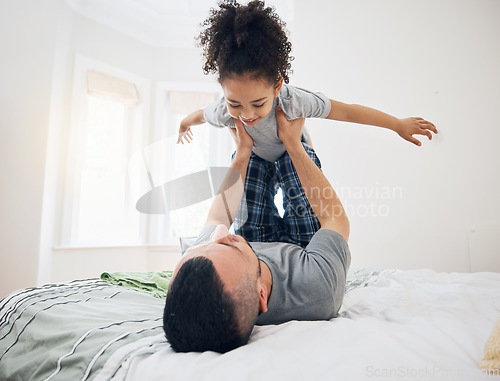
300,221
258,219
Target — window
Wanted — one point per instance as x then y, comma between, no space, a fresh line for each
102,213
108,116
166,161
116,156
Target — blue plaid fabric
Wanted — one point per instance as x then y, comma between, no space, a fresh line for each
258,219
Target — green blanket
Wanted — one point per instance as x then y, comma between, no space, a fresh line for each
153,283
156,283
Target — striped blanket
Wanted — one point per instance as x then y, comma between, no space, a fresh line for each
68,331
87,329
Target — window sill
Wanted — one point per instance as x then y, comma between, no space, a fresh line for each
172,247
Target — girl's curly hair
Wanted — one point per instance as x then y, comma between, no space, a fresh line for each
251,39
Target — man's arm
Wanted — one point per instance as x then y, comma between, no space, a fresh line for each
405,128
228,198
320,193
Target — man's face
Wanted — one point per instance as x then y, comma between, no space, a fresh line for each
231,255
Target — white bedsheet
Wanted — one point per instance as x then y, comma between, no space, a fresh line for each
403,325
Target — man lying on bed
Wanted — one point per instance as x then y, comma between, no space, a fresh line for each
224,285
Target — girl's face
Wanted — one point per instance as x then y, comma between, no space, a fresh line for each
249,99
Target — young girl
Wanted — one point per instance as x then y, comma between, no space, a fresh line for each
248,48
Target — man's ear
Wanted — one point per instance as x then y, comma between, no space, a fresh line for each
263,299
277,87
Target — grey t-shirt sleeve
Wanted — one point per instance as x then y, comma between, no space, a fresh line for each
305,137
300,103
217,115
332,247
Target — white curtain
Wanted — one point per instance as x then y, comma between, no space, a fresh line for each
112,88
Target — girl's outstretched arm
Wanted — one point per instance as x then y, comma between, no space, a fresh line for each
405,128
193,119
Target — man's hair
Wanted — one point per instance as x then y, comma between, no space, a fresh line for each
246,39
201,316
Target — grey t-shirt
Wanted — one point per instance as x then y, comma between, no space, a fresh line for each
308,284
295,103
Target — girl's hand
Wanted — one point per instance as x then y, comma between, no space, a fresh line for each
244,142
185,135
415,126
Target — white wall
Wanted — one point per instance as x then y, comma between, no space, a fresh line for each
434,58
438,59
27,40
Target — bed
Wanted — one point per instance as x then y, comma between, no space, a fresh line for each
394,324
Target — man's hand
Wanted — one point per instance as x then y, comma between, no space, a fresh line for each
244,142
289,132
325,203
408,127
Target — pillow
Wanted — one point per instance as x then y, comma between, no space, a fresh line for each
491,358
